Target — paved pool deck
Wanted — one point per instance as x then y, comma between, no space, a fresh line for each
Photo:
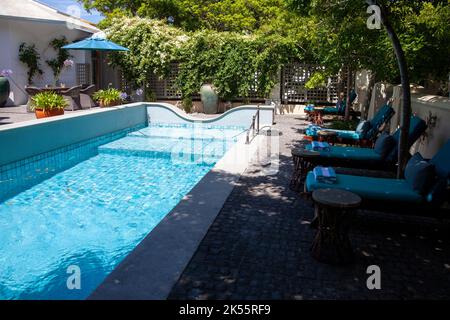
258,246
15,114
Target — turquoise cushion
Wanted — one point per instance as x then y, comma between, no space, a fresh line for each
420,174
382,116
416,129
344,134
349,135
363,128
369,188
441,161
363,154
438,192
384,144
331,110
309,108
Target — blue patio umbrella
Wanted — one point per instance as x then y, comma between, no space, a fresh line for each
97,42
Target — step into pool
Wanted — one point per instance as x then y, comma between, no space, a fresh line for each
90,205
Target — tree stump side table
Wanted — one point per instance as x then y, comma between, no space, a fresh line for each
334,209
327,136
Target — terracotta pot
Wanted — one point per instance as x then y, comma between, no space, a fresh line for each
112,104
40,113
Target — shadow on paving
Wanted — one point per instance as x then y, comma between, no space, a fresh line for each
258,247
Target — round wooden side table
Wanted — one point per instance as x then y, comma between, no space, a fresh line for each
334,210
327,136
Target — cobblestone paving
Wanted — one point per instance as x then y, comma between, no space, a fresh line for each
258,247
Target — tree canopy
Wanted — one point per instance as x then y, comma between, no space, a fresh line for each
330,32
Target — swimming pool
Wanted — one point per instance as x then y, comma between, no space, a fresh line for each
91,204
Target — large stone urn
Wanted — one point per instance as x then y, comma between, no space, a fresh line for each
210,99
4,90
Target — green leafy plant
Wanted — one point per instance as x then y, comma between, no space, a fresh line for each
108,97
57,64
344,125
187,104
317,80
48,101
29,56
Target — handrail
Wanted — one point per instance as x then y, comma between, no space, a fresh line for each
254,126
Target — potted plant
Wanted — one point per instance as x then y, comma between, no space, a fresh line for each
4,86
109,97
209,98
48,104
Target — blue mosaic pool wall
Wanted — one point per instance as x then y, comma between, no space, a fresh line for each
23,174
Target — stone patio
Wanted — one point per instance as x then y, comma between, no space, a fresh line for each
258,247
16,114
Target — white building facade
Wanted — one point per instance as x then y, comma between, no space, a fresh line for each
31,22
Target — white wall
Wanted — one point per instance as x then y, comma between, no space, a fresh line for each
426,106
14,32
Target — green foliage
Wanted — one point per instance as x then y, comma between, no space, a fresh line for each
332,33
191,15
341,37
48,100
235,64
29,56
107,97
187,104
317,80
62,55
343,125
152,43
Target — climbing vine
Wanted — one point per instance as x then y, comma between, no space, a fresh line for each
29,56
57,64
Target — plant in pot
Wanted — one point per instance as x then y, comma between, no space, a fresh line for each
48,104
109,97
4,86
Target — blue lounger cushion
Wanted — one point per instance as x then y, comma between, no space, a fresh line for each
309,108
384,144
416,129
441,161
363,154
344,134
369,188
420,174
368,129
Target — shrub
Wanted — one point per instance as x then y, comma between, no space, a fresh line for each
48,101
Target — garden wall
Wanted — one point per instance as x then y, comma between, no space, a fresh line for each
435,110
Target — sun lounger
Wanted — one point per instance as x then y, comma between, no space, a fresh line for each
367,130
422,189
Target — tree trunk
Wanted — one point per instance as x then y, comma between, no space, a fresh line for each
370,86
406,103
349,89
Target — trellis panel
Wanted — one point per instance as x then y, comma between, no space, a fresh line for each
83,73
296,75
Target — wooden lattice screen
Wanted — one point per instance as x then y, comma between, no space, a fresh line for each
294,77
83,73
165,88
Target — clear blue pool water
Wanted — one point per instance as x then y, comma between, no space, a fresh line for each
94,213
